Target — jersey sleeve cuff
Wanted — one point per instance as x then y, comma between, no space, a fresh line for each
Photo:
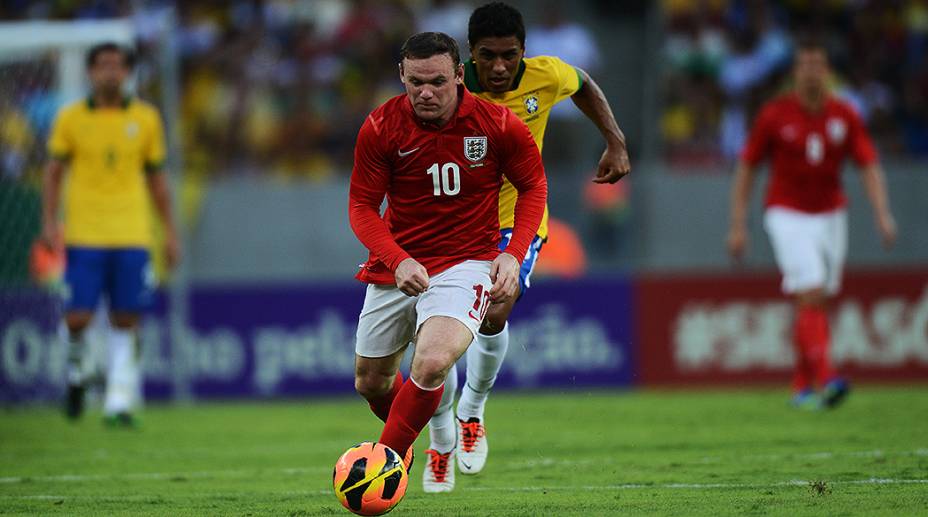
520,257
395,261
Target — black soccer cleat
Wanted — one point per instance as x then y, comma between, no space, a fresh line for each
74,405
835,392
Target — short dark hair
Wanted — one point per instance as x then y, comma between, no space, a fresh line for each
427,44
128,57
495,20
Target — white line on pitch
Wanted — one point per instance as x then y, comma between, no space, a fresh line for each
164,475
700,486
626,486
877,453
532,463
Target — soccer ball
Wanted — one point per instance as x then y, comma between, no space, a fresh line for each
369,479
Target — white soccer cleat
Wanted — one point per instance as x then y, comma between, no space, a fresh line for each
438,475
472,438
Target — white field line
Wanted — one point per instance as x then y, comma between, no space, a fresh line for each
877,453
575,488
145,476
534,463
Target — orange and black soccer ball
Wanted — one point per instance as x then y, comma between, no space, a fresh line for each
369,479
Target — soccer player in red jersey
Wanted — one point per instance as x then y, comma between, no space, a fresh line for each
438,154
807,134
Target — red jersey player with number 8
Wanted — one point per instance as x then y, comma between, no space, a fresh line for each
438,154
808,134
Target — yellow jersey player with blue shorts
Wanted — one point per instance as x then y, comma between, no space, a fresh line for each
499,72
113,148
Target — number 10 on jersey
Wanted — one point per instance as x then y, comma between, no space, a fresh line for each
446,180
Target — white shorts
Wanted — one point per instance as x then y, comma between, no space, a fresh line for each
809,248
390,319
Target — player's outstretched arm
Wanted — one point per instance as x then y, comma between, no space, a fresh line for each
161,195
614,163
740,195
523,168
875,186
51,196
369,180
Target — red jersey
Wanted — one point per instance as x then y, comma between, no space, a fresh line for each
442,186
807,151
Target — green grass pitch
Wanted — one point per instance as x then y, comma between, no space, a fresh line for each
576,453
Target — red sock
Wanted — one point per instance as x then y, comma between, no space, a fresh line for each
381,406
812,340
411,410
802,338
823,369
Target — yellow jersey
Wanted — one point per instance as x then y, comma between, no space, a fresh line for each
540,83
109,151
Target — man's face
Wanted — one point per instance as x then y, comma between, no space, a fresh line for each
432,86
108,72
811,71
497,61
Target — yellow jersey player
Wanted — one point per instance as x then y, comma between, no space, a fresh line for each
113,147
499,72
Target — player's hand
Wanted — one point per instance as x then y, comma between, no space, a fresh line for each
51,235
504,273
737,242
613,165
171,250
411,277
887,226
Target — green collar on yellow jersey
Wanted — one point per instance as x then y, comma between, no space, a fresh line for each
92,104
473,84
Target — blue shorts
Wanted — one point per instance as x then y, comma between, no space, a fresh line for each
528,263
124,274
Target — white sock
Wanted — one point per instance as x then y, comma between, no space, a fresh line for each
123,375
484,359
77,350
442,431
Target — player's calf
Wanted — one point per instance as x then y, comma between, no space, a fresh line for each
76,376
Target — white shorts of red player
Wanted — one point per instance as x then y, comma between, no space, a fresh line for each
809,248
390,319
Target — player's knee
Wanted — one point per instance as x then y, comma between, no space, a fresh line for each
429,370
812,298
78,321
124,320
372,385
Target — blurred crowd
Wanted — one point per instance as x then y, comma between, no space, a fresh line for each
726,57
281,86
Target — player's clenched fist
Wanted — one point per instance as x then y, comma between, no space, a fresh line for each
504,272
411,277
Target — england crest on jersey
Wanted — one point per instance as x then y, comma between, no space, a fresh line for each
475,148
837,130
